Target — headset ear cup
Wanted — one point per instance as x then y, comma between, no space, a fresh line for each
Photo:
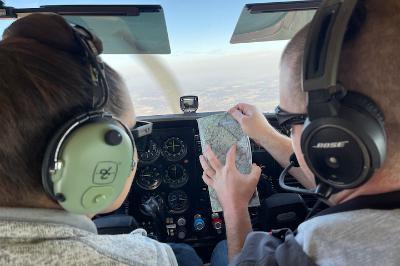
48,158
372,127
363,104
356,132
93,168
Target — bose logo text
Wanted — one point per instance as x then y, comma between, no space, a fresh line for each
331,145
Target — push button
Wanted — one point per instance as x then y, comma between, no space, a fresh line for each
96,196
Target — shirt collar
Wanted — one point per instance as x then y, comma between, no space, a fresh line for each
33,215
386,201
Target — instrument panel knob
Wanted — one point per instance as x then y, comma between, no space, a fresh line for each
216,221
199,223
182,233
181,221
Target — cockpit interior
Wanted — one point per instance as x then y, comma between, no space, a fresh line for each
170,200
181,62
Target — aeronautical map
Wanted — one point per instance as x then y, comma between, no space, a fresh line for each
221,131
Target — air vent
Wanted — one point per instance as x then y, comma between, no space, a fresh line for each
198,143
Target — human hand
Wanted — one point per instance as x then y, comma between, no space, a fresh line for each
252,121
234,189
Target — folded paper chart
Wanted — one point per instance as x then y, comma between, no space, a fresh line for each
221,131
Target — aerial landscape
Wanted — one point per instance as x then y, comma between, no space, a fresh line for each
220,81
202,61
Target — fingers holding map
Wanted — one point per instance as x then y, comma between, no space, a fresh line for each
221,131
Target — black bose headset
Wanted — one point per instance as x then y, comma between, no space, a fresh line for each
87,162
343,140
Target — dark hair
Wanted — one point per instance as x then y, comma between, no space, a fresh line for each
42,86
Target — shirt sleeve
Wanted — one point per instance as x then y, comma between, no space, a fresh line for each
261,248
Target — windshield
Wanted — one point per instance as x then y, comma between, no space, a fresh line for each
202,60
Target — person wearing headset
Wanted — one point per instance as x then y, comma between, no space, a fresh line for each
344,131
67,152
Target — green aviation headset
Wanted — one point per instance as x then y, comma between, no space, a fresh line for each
344,138
88,161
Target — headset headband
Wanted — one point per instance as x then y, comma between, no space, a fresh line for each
97,69
322,54
324,44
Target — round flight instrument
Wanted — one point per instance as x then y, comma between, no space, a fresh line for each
150,152
178,201
149,178
174,149
145,197
176,176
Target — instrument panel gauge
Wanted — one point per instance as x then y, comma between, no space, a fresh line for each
145,197
174,149
149,178
176,176
150,152
178,201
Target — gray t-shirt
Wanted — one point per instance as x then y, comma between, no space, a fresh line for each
362,237
363,231
55,237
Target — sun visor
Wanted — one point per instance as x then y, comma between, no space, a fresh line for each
273,21
123,29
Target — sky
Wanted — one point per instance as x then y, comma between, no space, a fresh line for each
202,61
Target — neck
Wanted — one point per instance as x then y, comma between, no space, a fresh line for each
381,182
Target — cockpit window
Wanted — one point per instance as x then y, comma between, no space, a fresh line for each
202,60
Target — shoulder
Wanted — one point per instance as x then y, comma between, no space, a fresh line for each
348,221
134,248
343,238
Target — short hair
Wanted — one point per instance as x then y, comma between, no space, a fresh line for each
370,64
292,59
290,80
41,88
